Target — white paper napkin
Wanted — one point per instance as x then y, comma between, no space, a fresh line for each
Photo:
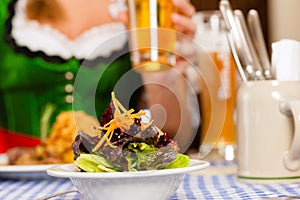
286,59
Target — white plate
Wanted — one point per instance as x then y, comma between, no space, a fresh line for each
22,171
146,185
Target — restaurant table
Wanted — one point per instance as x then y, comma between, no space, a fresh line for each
218,181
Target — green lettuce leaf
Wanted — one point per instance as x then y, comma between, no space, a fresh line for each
94,163
143,156
138,147
180,162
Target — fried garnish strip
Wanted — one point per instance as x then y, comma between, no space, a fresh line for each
123,119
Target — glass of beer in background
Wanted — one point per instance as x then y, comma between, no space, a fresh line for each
218,85
152,34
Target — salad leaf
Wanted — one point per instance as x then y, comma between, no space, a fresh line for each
180,162
157,159
147,157
86,165
131,162
141,147
94,163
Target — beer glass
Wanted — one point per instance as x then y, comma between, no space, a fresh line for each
218,87
152,35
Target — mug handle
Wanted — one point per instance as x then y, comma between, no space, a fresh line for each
291,158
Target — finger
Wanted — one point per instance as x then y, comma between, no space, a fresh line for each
184,7
181,66
184,24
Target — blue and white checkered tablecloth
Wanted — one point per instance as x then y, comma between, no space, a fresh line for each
204,185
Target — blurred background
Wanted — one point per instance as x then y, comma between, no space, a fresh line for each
279,18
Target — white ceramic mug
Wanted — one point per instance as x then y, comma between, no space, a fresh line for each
268,130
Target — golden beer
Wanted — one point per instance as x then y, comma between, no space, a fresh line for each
152,34
222,99
218,86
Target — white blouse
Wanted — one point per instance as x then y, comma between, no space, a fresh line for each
98,41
